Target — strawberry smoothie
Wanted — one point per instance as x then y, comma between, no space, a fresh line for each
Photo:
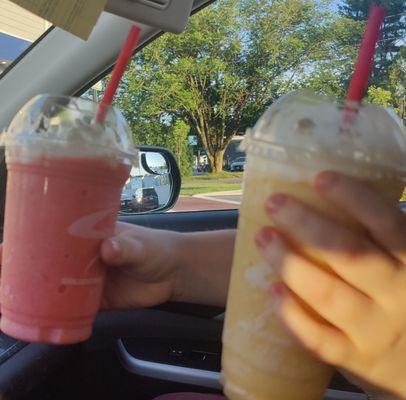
58,210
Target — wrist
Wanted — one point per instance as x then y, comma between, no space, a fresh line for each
203,267
179,249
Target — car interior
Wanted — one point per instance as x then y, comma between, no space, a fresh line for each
132,354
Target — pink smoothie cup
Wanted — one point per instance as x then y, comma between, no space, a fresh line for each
65,176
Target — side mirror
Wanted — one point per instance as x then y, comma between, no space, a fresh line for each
154,186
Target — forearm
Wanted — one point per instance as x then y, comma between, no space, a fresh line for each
205,260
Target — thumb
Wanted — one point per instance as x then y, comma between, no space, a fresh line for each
122,252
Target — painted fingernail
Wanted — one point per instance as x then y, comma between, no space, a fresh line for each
277,290
276,202
115,246
326,179
263,237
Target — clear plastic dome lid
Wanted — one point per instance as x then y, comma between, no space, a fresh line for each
52,126
310,126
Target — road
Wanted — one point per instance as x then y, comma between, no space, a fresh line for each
209,201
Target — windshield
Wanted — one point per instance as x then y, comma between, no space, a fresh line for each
18,30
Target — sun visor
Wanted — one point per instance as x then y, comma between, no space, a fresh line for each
169,15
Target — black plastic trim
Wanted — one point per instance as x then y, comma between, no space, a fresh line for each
32,366
185,221
151,324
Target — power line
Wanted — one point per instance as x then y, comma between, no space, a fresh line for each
395,15
392,39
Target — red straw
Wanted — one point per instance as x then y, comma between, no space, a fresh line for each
118,71
363,66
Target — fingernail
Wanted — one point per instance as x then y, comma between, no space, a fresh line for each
116,246
277,290
263,237
276,202
326,180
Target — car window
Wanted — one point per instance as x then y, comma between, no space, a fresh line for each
197,93
18,30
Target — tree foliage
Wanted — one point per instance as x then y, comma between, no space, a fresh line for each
378,95
397,84
238,56
388,75
393,31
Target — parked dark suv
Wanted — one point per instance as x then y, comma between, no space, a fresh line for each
146,199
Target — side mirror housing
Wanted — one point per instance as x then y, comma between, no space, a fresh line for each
154,186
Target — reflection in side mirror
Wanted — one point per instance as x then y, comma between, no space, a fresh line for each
154,163
152,186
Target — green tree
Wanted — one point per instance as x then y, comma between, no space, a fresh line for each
178,143
235,58
333,70
397,84
393,32
153,129
380,96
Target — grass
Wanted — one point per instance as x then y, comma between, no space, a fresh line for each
208,183
192,188
215,175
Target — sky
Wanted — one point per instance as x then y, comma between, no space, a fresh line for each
11,47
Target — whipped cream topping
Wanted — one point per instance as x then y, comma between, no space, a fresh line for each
311,124
57,126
